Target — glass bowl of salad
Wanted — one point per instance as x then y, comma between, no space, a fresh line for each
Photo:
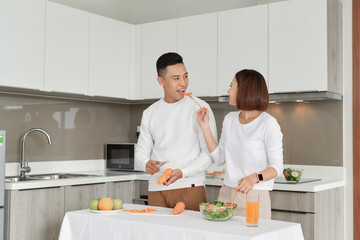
292,175
217,210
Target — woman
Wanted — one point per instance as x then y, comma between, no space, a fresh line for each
250,143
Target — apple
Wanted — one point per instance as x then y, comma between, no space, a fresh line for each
94,204
118,204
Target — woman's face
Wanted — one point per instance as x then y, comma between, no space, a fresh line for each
233,90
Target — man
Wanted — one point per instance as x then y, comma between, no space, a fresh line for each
170,132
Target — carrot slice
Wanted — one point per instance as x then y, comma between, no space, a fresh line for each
188,94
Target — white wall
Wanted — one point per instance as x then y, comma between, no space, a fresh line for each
347,118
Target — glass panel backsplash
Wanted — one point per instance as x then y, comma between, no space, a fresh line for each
78,129
312,131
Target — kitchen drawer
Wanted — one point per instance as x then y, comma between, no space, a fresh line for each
306,220
293,201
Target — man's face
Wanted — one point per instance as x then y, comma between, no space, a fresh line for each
175,82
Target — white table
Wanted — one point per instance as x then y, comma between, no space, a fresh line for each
88,225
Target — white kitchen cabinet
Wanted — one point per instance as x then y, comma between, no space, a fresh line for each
67,49
22,41
197,44
242,43
109,57
303,46
135,62
157,38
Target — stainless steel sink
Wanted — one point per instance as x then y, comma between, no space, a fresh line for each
59,176
51,176
18,179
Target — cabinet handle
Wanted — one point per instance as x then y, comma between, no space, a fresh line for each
31,189
291,211
77,185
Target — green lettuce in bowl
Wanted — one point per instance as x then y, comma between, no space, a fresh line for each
292,174
217,210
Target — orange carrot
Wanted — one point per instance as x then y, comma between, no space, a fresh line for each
179,208
163,178
188,94
146,210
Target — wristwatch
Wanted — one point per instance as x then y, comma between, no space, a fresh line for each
259,177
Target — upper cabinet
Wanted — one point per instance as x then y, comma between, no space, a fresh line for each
109,57
197,44
304,52
157,38
296,45
67,49
243,43
22,41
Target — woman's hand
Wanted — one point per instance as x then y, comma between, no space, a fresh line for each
246,184
203,117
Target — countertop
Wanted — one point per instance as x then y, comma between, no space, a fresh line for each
116,176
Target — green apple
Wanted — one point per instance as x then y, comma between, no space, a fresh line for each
118,204
94,204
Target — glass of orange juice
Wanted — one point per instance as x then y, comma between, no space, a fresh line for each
252,209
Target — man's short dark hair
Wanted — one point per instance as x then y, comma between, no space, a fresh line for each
167,59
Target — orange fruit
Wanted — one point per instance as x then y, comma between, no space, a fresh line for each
106,204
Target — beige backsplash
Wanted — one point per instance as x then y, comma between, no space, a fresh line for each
312,131
79,129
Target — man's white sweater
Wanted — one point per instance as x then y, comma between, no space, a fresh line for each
170,132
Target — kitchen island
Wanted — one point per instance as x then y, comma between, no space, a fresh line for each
88,225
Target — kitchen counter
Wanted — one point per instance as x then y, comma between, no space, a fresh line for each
112,176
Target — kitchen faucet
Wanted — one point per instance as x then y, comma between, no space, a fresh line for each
24,166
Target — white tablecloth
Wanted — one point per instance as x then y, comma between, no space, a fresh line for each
87,225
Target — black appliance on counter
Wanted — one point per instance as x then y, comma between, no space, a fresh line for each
120,156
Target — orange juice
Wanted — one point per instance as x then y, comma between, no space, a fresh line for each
252,212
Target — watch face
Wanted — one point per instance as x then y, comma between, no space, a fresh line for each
260,176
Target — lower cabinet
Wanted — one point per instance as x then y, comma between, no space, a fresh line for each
78,197
141,192
212,193
38,213
34,213
321,214
123,190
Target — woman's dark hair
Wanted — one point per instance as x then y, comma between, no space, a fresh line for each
252,91
167,59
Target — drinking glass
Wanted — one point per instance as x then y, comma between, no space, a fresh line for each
252,209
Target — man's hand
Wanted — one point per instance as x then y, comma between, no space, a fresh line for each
152,167
175,175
